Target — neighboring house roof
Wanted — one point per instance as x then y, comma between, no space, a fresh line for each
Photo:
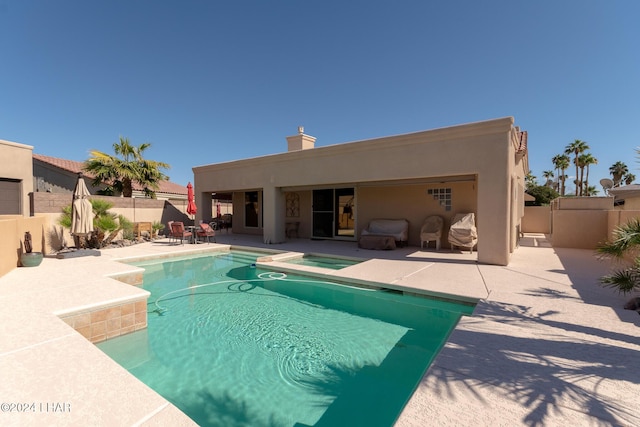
524,136
73,166
632,190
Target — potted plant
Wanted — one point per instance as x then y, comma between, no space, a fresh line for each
157,227
29,258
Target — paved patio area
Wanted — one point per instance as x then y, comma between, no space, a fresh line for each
546,345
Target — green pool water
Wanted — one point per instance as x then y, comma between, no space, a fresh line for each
234,345
322,261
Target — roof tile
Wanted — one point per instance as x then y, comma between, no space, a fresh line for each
76,167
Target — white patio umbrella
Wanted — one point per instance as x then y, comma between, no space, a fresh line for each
81,210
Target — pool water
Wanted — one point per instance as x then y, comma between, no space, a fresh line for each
230,344
322,261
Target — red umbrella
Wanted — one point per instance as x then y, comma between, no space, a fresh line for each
218,210
191,207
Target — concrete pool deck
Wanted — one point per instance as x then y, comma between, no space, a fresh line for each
546,344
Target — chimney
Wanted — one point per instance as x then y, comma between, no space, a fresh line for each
300,141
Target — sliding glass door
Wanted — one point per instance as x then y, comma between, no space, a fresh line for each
322,214
333,213
345,210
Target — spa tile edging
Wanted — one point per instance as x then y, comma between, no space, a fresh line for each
105,323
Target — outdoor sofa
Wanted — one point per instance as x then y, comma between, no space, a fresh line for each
384,233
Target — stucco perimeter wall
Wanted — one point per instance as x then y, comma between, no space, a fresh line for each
583,203
580,222
583,229
617,218
631,204
16,164
12,229
49,207
537,219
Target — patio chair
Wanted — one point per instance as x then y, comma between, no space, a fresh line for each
463,232
177,231
431,230
205,231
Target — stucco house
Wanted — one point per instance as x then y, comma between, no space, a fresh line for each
56,175
16,175
333,192
626,197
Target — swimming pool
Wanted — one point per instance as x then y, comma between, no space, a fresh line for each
229,344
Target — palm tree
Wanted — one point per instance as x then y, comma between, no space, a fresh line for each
628,179
579,181
530,180
125,168
591,191
106,224
626,241
618,170
588,160
547,176
576,148
555,161
561,163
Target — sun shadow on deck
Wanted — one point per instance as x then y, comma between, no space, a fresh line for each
533,362
584,269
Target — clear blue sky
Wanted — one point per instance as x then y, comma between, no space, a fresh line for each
213,81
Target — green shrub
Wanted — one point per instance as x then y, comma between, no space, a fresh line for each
106,225
624,248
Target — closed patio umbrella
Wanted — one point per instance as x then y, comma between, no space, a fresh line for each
191,206
81,210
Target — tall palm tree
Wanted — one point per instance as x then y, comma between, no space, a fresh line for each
556,166
628,179
561,162
580,163
587,160
125,168
618,170
547,176
576,148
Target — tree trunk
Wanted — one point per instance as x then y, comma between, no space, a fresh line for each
127,190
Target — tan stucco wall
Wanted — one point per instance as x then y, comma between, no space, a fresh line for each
485,150
49,206
16,163
413,203
580,222
584,222
617,218
239,216
537,219
583,229
583,203
12,229
631,204
305,213
9,244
